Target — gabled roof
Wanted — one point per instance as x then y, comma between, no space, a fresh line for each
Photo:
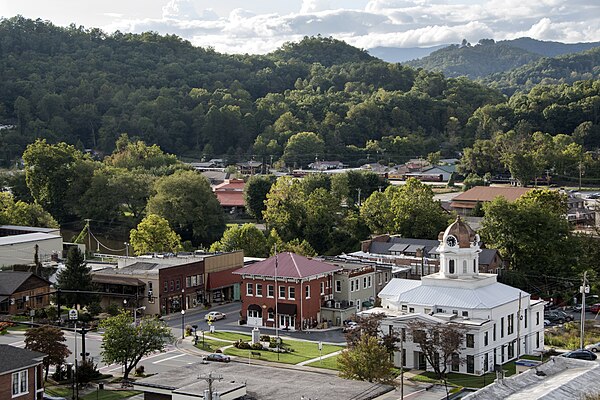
14,358
231,184
230,198
289,265
489,193
10,281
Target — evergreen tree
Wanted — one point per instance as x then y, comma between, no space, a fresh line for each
76,276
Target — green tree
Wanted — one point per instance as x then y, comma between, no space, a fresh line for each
153,234
50,341
21,213
302,148
137,154
285,210
125,343
246,237
471,181
255,194
76,276
368,361
186,200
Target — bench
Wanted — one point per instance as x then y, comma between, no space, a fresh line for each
255,353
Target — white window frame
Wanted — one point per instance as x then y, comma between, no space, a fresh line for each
322,288
22,383
338,286
249,289
291,293
281,289
269,289
370,281
258,289
364,282
307,292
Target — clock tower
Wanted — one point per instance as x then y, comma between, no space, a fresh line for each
459,251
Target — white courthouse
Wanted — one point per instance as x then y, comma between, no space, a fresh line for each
501,322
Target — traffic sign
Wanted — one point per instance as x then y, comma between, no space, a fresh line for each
72,314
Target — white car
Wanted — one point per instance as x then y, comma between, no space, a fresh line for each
214,316
593,347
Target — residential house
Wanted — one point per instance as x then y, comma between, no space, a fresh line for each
21,374
250,167
325,165
286,291
578,213
465,203
165,284
418,256
501,322
230,195
21,292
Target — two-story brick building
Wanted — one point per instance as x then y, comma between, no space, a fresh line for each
21,374
286,289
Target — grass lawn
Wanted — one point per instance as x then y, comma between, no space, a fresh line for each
465,380
232,336
58,391
302,351
211,344
327,363
110,395
19,327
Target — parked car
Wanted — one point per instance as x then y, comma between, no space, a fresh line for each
581,354
547,322
214,316
218,357
595,347
350,326
557,316
595,308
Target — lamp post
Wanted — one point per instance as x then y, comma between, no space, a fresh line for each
135,314
126,249
183,324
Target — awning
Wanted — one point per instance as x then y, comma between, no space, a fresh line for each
117,280
254,307
285,308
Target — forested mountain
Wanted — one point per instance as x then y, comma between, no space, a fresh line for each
402,54
488,57
563,69
85,87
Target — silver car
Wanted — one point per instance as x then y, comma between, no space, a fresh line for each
595,347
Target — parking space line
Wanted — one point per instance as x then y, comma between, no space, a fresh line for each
169,358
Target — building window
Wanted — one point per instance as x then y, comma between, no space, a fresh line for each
525,321
465,314
270,290
249,289
364,282
403,335
455,362
19,383
338,286
167,287
502,327
411,310
511,324
386,277
537,340
470,364
474,266
271,315
322,288
464,266
254,314
149,285
537,318
259,289
486,361
494,333
485,338
292,293
172,285
380,275
404,307
188,281
369,281
282,292
451,266
177,284
307,291
470,340
511,350
455,312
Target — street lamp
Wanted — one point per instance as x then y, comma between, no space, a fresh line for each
126,249
135,314
183,324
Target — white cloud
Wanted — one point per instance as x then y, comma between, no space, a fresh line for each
399,23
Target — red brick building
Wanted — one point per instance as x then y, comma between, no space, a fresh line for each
21,374
300,284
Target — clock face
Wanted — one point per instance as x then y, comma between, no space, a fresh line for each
451,241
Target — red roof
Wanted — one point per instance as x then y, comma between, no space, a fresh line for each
231,184
231,199
289,265
489,193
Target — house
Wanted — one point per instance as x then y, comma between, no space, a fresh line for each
301,285
325,165
419,255
250,167
21,374
465,203
22,291
578,213
19,244
556,379
230,195
500,322
165,284
355,288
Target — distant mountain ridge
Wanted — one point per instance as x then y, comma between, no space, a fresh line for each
488,57
400,54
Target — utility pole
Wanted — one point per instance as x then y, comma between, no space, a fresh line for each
519,328
87,223
583,290
401,367
358,190
580,173
210,379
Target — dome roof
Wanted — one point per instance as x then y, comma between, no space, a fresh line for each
461,231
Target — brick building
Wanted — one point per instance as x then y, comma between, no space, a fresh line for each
22,291
301,285
21,374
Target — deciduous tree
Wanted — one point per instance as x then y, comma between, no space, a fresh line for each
367,360
153,234
125,343
50,341
255,194
247,237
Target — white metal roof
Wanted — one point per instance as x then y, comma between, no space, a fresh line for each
414,292
27,237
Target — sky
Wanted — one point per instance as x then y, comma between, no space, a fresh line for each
261,26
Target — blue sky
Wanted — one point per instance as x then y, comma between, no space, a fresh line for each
260,26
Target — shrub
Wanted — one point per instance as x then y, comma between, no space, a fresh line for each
51,313
87,371
265,338
112,309
188,330
139,371
243,345
257,346
94,308
218,351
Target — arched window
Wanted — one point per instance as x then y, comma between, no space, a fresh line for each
451,266
464,266
474,266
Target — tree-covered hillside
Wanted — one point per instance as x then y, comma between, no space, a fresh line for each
549,48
